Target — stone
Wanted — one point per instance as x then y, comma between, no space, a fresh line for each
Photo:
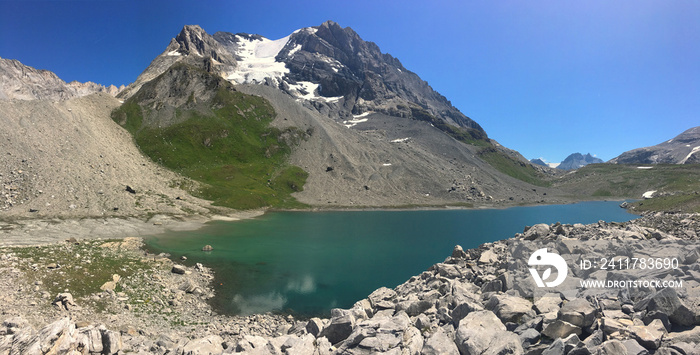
578,312
510,308
666,301
207,345
488,257
482,331
65,301
556,348
529,336
382,298
550,302
612,347
439,343
458,252
633,348
207,248
314,326
111,342
649,336
561,329
537,231
340,327
90,339
178,269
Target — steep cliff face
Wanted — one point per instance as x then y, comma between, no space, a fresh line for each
682,149
21,82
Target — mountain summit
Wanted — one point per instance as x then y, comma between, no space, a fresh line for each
341,124
328,67
682,149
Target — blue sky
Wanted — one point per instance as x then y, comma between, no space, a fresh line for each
546,78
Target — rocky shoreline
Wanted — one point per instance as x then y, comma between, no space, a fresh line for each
477,301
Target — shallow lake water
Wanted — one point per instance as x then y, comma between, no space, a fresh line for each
305,263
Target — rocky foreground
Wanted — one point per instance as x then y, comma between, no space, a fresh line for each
475,302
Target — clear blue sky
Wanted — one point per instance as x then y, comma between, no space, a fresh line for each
547,78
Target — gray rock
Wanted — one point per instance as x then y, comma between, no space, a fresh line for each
633,348
439,343
550,302
529,337
65,301
666,301
537,231
611,347
482,331
314,326
90,338
178,269
578,312
111,342
340,327
649,336
560,329
382,298
511,308
556,348
458,252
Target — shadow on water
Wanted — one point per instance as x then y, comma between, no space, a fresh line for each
306,263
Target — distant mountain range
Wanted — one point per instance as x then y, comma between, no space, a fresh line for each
573,161
21,82
683,149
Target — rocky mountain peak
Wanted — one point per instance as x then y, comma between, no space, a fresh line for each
682,149
22,82
577,160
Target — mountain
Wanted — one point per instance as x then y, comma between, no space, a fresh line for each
538,161
683,149
353,125
21,82
577,160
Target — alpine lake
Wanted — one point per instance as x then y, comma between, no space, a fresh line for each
306,263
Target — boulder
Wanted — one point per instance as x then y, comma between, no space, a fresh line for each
439,343
314,326
65,301
178,269
666,301
633,348
488,257
202,346
510,308
578,312
537,231
649,336
612,347
340,327
550,302
111,342
382,298
90,339
482,331
458,252
561,329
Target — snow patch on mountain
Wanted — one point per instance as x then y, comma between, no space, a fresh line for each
257,61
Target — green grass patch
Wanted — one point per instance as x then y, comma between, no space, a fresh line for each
226,144
512,167
677,203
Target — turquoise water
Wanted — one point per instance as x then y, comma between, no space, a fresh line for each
306,263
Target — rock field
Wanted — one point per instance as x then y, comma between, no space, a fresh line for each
472,303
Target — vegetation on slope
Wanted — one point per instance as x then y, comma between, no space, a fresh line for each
225,143
676,185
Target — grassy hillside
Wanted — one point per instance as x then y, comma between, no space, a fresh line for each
225,143
676,185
